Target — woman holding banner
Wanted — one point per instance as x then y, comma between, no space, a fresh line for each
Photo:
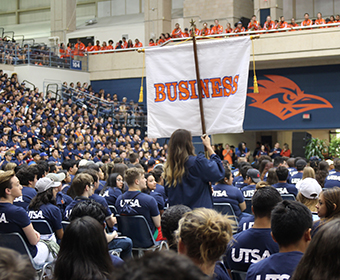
188,176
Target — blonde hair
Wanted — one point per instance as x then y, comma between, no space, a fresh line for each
180,148
309,203
10,166
261,184
205,233
308,172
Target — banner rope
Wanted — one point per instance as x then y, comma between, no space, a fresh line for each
256,86
140,100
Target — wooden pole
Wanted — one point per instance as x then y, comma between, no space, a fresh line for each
199,86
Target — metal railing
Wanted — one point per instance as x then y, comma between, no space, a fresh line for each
133,117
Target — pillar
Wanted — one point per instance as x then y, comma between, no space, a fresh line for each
63,18
157,17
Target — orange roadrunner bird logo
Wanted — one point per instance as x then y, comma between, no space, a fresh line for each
284,99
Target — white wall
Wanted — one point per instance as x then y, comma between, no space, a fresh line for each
41,76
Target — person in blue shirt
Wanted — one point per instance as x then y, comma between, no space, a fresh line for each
333,179
252,178
276,152
112,189
28,178
188,177
225,192
151,190
261,152
300,165
254,244
157,173
8,158
282,186
291,224
43,207
55,157
15,219
242,150
19,158
203,237
140,203
239,181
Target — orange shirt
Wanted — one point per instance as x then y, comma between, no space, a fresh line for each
176,33
185,35
68,52
307,22
97,48
89,49
139,45
238,30
103,48
161,41
205,31
109,47
269,25
217,29
124,45
230,30
227,156
320,21
62,53
81,46
253,25
293,25
282,24
197,32
152,44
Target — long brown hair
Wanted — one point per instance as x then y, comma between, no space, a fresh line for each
180,148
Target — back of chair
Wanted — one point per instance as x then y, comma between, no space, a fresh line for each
113,209
42,226
248,205
238,275
137,228
224,208
14,241
288,197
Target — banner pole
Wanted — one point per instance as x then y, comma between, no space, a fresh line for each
199,86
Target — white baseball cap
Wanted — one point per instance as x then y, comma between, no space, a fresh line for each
44,184
310,188
56,177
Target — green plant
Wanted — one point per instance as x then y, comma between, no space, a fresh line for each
334,147
315,148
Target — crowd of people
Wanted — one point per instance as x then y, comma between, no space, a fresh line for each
62,163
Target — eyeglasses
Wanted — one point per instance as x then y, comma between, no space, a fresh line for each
119,180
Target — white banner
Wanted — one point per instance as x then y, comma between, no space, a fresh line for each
172,95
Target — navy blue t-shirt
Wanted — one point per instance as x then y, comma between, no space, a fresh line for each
111,195
62,201
285,188
332,180
220,272
228,194
250,246
248,191
277,266
296,178
26,197
143,204
160,189
246,223
159,199
14,219
49,213
194,191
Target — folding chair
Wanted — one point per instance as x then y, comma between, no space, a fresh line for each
288,197
15,242
227,209
137,228
238,275
113,210
42,226
248,204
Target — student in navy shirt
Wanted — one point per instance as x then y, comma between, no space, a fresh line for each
28,178
187,176
300,165
261,152
276,152
157,173
239,181
224,192
252,178
112,189
151,190
8,158
252,245
291,224
141,203
43,207
333,179
282,186
203,237
15,219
